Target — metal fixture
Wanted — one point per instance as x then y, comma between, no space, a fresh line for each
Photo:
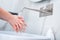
43,12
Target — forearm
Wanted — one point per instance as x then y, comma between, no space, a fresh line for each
5,14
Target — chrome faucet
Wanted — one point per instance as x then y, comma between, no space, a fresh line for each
43,12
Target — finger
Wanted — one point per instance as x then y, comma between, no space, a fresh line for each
20,17
14,27
20,26
17,26
22,22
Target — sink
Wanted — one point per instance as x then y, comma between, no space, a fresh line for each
10,35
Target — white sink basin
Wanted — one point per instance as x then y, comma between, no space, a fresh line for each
8,35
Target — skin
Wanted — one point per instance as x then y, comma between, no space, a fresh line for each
17,22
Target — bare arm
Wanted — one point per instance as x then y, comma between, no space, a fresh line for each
17,22
5,14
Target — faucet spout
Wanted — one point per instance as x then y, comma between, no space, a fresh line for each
48,10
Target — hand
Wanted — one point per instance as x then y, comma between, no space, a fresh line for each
17,23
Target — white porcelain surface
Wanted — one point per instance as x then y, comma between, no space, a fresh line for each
6,35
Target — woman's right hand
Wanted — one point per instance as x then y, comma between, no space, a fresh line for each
17,23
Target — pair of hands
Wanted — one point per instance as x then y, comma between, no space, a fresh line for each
17,23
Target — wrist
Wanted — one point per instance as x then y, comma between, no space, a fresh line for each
10,18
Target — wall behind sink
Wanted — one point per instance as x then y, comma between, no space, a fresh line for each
9,5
